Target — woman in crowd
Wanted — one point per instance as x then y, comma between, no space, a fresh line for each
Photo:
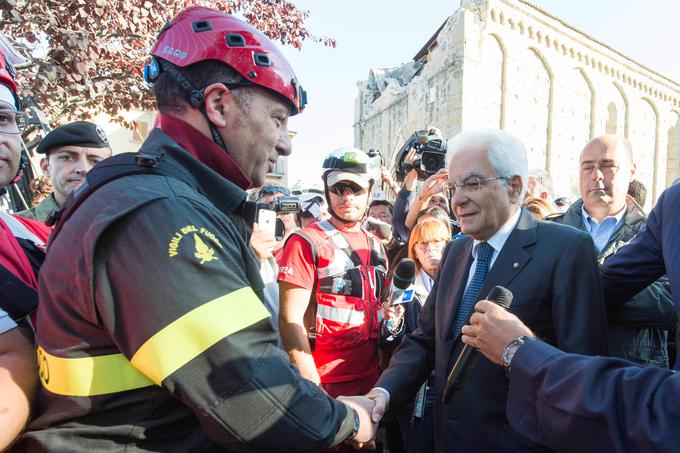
426,245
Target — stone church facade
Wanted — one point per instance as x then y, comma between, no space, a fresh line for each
508,64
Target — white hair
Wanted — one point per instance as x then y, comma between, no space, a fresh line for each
507,153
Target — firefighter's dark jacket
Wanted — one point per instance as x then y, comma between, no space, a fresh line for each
152,334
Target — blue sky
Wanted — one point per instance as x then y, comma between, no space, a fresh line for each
386,33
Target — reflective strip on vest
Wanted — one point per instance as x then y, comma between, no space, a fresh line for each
178,343
161,355
89,376
340,315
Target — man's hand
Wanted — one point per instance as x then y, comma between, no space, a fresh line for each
434,184
363,406
382,400
491,329
262,242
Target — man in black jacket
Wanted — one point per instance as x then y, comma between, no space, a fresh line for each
639,330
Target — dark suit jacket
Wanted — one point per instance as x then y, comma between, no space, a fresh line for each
553,273
576,403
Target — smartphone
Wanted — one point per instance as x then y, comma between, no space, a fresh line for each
266,220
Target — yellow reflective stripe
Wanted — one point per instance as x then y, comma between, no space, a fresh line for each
178,343
89,376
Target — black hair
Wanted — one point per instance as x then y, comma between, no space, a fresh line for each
389,205
172,98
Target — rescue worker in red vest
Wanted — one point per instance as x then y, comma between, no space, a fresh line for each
152,333
331,275
21,253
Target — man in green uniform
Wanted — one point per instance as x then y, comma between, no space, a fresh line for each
70,152
152,333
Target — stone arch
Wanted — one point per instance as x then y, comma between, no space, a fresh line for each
591,87
529,103
611,127
493,65
573,119
644,137
673,151
626,112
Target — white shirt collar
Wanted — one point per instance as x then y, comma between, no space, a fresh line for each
497,241
587,217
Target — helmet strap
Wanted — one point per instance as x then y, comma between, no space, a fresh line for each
195,97
330,208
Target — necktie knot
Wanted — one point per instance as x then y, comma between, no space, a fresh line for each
484,251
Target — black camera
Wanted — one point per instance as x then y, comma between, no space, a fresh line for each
430,150
282,204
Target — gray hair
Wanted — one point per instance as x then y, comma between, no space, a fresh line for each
507,154
544,181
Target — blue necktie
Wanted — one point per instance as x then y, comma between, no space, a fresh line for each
484,252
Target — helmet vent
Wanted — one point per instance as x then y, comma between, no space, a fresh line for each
262,59
201,25
235,40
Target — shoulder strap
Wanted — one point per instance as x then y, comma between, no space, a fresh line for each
340,242
118,166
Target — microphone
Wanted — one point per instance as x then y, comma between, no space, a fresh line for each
467,360
404,275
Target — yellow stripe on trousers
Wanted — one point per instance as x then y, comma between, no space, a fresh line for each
160,356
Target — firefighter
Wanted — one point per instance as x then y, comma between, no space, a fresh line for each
331,276
152,333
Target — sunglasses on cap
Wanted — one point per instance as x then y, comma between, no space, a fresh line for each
341,187
271,190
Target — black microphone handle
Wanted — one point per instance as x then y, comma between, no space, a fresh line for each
467,360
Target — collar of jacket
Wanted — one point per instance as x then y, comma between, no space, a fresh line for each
227,196
203,149
633,217
633,220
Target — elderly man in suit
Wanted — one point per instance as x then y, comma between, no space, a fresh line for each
576,403
551,270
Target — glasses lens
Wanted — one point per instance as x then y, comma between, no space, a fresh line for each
341,187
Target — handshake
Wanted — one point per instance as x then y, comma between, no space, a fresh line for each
370,409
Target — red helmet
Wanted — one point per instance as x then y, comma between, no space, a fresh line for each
7,74
198,33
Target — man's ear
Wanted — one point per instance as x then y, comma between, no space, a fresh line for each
515,183
44,166
219,104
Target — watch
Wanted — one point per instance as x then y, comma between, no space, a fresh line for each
510,350
355,427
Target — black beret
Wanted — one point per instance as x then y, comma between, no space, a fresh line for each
79,133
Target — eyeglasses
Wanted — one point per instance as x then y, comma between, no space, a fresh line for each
473,184
436,243
340,188
272,190
12,121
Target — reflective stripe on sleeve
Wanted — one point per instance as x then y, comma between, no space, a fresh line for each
187,337
160,356
340,315
89,376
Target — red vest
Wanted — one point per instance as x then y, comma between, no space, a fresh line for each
347,295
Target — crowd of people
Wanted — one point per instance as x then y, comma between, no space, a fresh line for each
172,300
